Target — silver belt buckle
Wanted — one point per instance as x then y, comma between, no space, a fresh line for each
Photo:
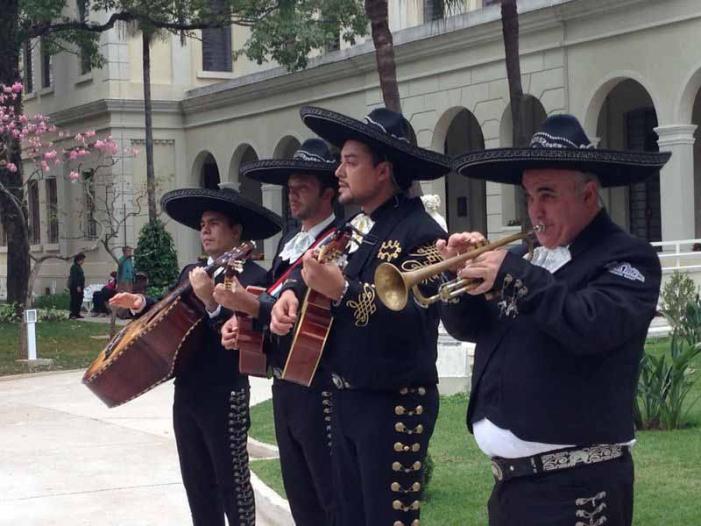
339,381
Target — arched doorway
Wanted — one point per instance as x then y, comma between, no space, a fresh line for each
466,198
248,187
626,122
696,119
205,171
285,149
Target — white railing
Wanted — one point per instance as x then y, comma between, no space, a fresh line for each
684,254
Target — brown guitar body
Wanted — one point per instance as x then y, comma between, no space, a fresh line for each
309,339
252,359
315,318
156,346
147,351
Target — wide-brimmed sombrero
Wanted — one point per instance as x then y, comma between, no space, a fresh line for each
187,205
313,157
561,143
386,132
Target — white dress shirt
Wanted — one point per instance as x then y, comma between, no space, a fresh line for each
301,242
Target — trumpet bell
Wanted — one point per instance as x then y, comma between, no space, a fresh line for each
390,287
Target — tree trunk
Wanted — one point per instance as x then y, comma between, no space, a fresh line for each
12,220
150,175
376,11
509,25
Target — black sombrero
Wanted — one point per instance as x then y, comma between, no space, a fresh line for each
561,143
314,157
187,205
385,131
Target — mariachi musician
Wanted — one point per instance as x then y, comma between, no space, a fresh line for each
302,414
558,354
210,409
383,362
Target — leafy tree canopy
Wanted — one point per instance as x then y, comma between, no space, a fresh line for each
282,30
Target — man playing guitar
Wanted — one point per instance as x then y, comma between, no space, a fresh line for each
302,415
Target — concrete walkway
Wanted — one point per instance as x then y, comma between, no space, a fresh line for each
68,460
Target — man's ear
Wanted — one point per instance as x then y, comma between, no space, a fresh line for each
591,193
328,193
385,171
237,229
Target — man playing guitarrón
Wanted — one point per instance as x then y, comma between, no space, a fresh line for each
210,410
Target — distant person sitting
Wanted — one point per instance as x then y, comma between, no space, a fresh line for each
125,270
76,285
102,296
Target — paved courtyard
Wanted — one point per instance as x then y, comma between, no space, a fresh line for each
68,460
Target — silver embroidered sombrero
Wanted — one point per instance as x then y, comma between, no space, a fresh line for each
314,157
386,132
561,143
186,206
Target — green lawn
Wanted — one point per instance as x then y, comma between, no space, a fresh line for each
667,463
262,425
71,344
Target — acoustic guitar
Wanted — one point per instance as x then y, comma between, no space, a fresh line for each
252,359
154,347
315,318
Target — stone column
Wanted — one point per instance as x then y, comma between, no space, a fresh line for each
454,363
677,181
272,200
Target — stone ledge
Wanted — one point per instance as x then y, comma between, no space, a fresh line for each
261,450
269,505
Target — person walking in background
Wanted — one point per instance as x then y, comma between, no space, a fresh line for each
76,285
125,270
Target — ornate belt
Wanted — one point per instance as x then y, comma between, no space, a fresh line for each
508,468
339,382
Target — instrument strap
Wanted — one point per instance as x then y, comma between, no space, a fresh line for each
274,289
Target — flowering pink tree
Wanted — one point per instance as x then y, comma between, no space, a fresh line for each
88,160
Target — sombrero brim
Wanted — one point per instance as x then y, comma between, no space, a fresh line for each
414,163
187,205
614,168
278,171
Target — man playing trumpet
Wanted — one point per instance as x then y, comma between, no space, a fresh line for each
558,351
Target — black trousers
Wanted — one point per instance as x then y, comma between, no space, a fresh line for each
211,431
303,431
590,495
100,299
76,301
378,452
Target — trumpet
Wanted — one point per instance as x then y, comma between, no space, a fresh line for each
393,286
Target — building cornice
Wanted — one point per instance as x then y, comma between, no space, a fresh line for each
456,34
460,33
108,107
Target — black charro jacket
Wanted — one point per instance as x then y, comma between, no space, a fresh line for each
277,347
564,368
370,346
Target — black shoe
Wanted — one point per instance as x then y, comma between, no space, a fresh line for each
79,317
